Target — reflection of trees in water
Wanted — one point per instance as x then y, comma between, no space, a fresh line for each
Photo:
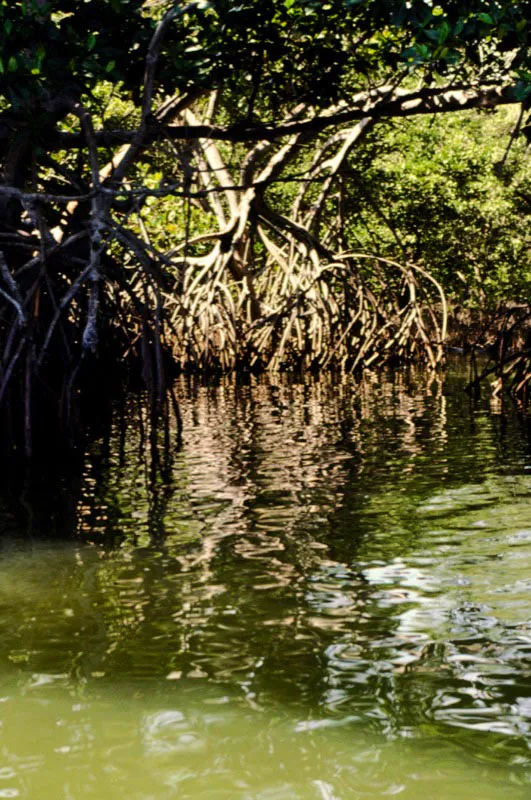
251,566
242,444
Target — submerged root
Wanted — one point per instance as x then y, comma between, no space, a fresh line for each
504,340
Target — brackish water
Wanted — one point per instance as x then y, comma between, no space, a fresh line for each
328,597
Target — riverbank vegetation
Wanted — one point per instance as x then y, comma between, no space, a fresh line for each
268,185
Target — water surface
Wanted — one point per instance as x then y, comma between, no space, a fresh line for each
328,595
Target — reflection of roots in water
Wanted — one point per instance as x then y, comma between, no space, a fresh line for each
273,456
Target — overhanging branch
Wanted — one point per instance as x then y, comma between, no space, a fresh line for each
402,104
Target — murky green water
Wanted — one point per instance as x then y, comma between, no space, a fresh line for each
331,598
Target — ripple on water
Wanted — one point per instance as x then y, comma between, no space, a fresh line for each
329,597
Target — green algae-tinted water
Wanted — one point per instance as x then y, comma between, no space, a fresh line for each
329,596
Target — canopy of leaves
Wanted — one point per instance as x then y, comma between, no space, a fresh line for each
268,52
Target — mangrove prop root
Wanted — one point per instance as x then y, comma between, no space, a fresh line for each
270,284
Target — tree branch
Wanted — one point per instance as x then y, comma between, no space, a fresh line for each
403,103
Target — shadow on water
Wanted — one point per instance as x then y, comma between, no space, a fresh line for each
350,560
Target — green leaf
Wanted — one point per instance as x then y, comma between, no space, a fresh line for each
442,34
110,66
486,18
8,26
92,41
12,64
289,3
522,92
1,66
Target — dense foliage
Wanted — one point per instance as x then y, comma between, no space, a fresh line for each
281,51
446,193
